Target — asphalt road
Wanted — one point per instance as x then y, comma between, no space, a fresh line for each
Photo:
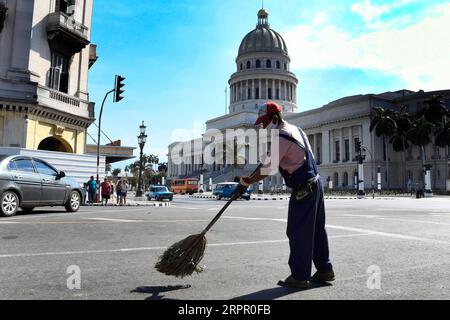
381,249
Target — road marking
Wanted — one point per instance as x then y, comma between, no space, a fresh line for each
366,231
255,219
63,253
388,234
8,222
416,221
187,208
358,216
115,220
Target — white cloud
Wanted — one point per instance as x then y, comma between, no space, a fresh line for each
320,18
418,54
371,13
368,11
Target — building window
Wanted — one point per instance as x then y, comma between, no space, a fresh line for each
242,67
356,145
258,63
337,148
270,93
319,155
285,66
278,94
268,64
249,64
347,150
345,181
65,6
278,65
257,93
249,93
336,179
59,72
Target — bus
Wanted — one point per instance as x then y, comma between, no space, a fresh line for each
183,186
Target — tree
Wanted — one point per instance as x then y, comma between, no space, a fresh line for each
399,139
442,139
435,112
108,168
162,167
419,135
384,125
116,172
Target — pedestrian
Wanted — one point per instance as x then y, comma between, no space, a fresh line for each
119,192
106,191
125,187
92,190
306,231
113,192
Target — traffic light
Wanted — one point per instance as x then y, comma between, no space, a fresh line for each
118,88
359,146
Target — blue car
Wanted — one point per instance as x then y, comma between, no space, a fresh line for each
159,193
227,189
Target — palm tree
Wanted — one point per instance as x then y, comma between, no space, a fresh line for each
419,135
399,140
384,125
434,112
116,172
442,139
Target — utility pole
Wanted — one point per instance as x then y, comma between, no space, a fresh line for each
361,192
117,97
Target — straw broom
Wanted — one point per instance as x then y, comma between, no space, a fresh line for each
182,259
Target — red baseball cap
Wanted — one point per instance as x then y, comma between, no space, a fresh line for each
267,110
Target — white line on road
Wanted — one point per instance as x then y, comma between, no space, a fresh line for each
366,231
388,234
187,208
63,253
115,220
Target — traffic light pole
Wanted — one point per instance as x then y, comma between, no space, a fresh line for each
98,142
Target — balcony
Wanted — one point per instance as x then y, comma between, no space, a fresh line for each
63,102
65,35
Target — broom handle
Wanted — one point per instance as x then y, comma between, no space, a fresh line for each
233,198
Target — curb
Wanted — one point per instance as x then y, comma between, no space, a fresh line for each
271,198
163,204
203,197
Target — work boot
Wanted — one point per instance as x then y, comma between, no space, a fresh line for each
328,276
290,282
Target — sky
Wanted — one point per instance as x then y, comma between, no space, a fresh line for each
177,56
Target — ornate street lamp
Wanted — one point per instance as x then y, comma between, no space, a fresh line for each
142,139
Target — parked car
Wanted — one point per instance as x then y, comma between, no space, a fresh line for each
27,183
227,189
159,193
184,186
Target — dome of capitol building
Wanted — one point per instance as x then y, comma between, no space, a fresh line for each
263,71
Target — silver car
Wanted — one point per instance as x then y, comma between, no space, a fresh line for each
27,183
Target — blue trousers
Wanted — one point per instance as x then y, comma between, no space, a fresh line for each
308,239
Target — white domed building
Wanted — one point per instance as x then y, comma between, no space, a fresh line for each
334,130
262,74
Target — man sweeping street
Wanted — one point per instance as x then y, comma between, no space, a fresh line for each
308,238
